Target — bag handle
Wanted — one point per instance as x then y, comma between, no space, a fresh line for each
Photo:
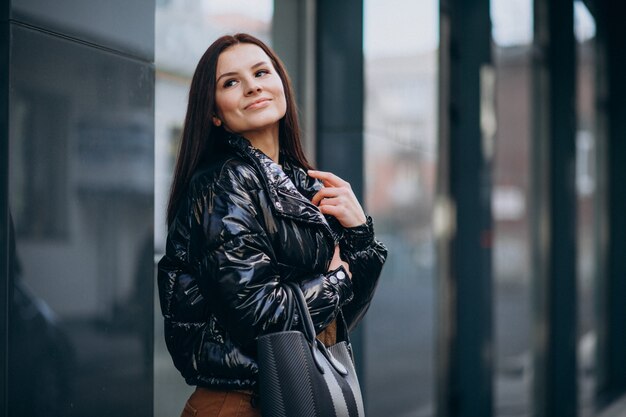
317,348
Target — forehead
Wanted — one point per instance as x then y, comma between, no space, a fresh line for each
240,57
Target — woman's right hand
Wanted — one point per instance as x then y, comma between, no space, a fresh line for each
336,262
337,199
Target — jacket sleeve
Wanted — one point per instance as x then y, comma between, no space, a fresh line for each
359,248
366,256
237,270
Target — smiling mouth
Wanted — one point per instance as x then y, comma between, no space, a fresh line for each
258,103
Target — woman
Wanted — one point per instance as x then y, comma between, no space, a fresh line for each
246,214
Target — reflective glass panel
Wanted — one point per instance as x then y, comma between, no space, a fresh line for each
584,29
81,196
126,26
512,34
401,41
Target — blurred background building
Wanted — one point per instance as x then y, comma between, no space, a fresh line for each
486,139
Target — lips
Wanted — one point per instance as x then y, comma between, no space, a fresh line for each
257,103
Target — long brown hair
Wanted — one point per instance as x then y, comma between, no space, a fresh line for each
199,136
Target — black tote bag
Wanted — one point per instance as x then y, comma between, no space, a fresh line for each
300,377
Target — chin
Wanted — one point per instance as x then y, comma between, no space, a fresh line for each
262,122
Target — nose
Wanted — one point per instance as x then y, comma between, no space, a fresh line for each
253,87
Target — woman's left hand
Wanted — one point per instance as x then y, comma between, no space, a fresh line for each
337,199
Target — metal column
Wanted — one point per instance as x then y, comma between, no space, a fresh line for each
553,210
463,224
339,108
5,40
611,200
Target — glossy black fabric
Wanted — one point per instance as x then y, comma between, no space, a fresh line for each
246,227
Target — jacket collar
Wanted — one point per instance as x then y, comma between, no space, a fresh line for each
287,198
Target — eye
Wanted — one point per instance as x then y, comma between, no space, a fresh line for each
229,83
261,73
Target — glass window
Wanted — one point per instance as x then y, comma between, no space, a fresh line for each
400,46
584,29
116,24
512,34
44,144
81,196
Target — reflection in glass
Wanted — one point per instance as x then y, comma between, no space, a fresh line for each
51,359
400,152
81,198
512,33
584,28
113,24
512,23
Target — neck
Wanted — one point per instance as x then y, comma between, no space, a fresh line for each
266,141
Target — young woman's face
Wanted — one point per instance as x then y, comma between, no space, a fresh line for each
249,95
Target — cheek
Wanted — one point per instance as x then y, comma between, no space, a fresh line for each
283,108
225,105
282,99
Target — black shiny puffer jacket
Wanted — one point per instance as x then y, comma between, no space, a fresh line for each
246,227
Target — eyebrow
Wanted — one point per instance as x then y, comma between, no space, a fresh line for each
227,74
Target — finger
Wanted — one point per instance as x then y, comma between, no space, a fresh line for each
328,178
334,211
328,192
320,195
346,214
330,202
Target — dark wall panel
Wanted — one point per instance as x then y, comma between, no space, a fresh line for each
126,26
4,175
81,180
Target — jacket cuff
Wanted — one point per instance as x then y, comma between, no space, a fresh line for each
339,279
358,238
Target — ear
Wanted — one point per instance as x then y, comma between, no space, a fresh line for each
216,121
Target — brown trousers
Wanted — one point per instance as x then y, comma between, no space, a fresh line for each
210,403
